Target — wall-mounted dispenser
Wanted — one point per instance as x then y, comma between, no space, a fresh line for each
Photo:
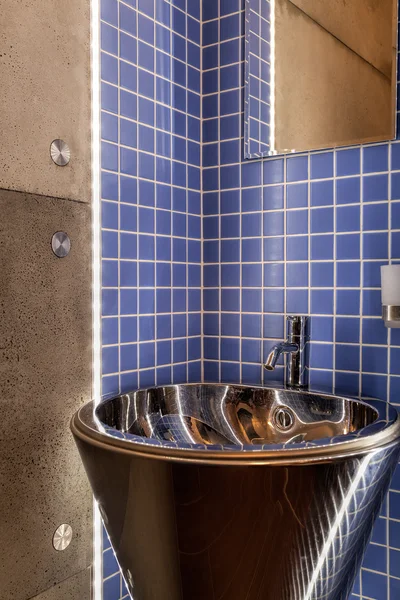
390,276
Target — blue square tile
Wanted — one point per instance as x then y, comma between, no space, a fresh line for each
322,302
321,356
109,68
146,355
375,216
111,588
375,158
348,302
146,247
375,188
348,247
322,193
347,330
273,197
273,223
321,220
274,301
109,11
347,357
296,222
375,245
374,359
321,247
348,190
251,250
322,165
348,274
322,329
230,349
347,384
375,583
297,168
297,195
296,248
251,224
372,303
322,274
128,326
109,215
348,162
109,241
110,360
374,332
109,302
273,326
109,273
273,171
347,218
146,301
129,357
297,274
230,300
163,323
251,325
252,275
109,97
297,301
251,300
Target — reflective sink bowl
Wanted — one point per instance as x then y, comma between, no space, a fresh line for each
229,492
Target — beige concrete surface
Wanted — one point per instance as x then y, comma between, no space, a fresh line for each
365,26
77,587
326,95
44,95
45,375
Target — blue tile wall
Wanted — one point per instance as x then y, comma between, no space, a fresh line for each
151,201
300,234
257,75
204,254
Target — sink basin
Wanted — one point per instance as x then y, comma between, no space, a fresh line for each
229,492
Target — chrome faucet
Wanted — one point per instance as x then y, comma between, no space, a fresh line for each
295,347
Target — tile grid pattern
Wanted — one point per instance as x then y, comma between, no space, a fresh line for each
302,234
257,107
151,202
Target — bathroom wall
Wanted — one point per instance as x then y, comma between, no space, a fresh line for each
303,234
45,326
151,203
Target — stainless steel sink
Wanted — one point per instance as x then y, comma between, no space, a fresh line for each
227,492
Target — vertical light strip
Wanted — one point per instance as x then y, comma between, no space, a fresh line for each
272,76
96,257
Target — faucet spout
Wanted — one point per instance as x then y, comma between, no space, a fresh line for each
277,350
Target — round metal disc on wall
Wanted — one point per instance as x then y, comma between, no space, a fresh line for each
62,537
60,152
61,244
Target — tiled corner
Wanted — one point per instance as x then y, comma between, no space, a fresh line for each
300,234
151,201
305,234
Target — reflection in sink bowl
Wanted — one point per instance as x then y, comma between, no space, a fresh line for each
233,492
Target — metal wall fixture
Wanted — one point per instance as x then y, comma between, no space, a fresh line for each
61,244
60,152
390,276
295,347
62,537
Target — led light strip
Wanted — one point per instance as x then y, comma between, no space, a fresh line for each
272,77
96,258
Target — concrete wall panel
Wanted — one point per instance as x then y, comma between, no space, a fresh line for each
45,375
45,94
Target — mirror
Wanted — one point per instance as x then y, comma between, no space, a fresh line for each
319,74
